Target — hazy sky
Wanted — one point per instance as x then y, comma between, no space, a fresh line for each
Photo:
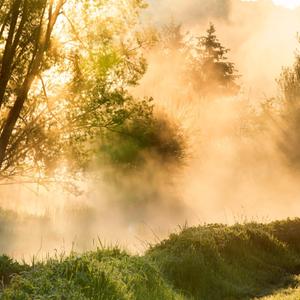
291,4
287,3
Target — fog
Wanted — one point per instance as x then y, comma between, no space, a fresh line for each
225,177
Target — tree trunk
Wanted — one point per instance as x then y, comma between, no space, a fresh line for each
8,54
33,71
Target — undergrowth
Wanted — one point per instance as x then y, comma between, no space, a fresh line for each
206,262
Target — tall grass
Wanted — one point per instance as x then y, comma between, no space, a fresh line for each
206,262
222,262
104,274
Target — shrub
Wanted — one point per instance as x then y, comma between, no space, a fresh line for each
130,144
104,275
221,262
9,268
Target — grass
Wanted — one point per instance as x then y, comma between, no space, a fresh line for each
290,293
104,274
10,267
222,262
249,261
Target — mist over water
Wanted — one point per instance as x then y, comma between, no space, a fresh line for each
225,177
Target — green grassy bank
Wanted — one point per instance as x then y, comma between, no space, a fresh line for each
207,262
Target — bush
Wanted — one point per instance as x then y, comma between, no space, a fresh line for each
287,232
132,143
9,268
103,275
206,262
221,262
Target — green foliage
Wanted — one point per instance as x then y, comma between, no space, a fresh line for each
221,262
25,52
81,87
206,262
9,268
133,142
287,232
107,60
290,293
104,274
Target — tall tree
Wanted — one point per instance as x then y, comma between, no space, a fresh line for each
25,35
67,84
211,72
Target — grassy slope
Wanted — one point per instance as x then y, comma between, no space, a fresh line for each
219,262
206,262
103,274
291,293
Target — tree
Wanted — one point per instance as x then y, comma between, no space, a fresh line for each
121,128
280,116
26,28
107,61
210,71
63,86
288,120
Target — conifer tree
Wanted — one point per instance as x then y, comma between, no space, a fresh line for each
212,73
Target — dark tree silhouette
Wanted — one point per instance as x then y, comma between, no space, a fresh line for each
212,74
25,32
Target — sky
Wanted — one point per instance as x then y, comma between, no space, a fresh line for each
291,4
287,3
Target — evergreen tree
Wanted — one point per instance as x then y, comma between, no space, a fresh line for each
212,73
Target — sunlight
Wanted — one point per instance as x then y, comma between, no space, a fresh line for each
291,4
